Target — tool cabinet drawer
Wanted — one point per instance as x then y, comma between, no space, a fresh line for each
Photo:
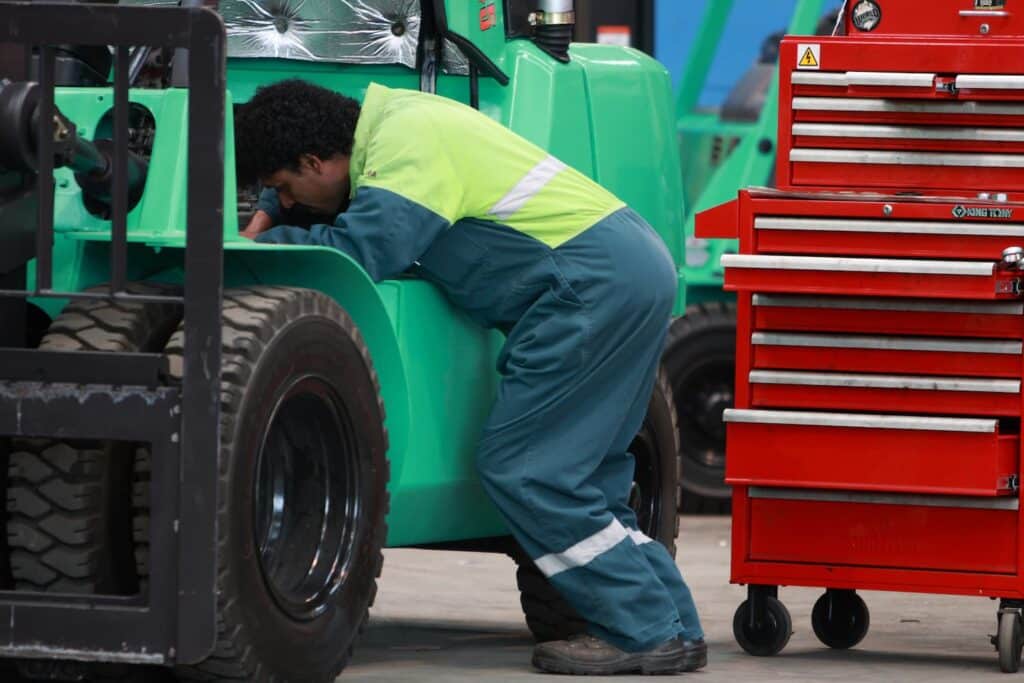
865,392
865,452
872,277
898,168
991,319
883,530
887,238
886,354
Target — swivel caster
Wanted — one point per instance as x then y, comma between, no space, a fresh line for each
840,619
762,624
1009,639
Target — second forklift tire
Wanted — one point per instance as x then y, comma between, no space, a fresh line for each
302,487
772,636
68,503
1009,641
700,359
655,498
842,624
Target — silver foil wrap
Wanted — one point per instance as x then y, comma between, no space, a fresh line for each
341,31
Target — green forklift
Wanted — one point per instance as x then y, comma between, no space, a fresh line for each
206,442
721,151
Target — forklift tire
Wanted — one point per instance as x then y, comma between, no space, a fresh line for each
700,359
1009,641
840,619
654,497
68,503
771,637
302,490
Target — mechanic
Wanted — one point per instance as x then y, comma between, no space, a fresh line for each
582,287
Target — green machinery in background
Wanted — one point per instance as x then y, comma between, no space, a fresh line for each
314,355
721,151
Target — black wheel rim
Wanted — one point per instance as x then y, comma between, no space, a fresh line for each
645,492
706,391
307,498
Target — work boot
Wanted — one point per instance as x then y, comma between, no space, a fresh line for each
586,655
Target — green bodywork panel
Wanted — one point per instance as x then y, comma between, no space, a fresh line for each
721,157
608,112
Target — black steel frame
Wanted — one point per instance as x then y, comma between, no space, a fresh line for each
126,396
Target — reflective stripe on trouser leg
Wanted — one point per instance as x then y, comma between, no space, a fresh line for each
584,552
614,477
570,372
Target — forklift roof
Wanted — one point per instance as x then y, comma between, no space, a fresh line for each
340,31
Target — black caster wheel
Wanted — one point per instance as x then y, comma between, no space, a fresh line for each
768,637
840,619
1009,640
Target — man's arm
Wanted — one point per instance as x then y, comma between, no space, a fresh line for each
382,230
266,216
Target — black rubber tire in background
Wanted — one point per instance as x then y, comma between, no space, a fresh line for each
68,503
273,337
700,360
548,615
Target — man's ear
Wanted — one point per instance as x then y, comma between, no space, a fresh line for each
312,162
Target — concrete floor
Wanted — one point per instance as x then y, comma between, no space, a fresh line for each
444,617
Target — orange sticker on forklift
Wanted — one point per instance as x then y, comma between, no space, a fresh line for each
808,56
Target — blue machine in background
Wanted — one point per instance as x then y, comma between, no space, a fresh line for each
675,26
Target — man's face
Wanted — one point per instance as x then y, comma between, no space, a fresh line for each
319,184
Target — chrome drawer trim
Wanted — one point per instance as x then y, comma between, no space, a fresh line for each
902,106
818,495
989,82
853,130
887,343
897,79
902,305
895,227
859,265
863,381
865,156
860,421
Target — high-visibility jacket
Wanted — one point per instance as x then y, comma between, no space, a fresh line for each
422,163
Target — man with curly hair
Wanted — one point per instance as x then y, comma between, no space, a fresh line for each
582,287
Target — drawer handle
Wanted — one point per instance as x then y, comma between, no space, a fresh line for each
816,495
984,13
860,421
862,381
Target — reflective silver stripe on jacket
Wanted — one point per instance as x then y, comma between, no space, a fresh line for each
527,188
585,551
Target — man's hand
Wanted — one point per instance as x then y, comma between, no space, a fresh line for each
260,222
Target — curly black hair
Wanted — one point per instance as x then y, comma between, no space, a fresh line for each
288,119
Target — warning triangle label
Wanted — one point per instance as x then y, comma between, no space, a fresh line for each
808,56
809,61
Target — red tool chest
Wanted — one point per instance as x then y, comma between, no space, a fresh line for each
875,441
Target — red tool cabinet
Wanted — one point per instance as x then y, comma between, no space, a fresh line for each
875,441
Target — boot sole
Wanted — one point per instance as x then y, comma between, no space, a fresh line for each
644,664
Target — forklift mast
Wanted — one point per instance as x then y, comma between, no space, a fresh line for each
119,396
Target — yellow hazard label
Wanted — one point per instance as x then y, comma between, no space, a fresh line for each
808,56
